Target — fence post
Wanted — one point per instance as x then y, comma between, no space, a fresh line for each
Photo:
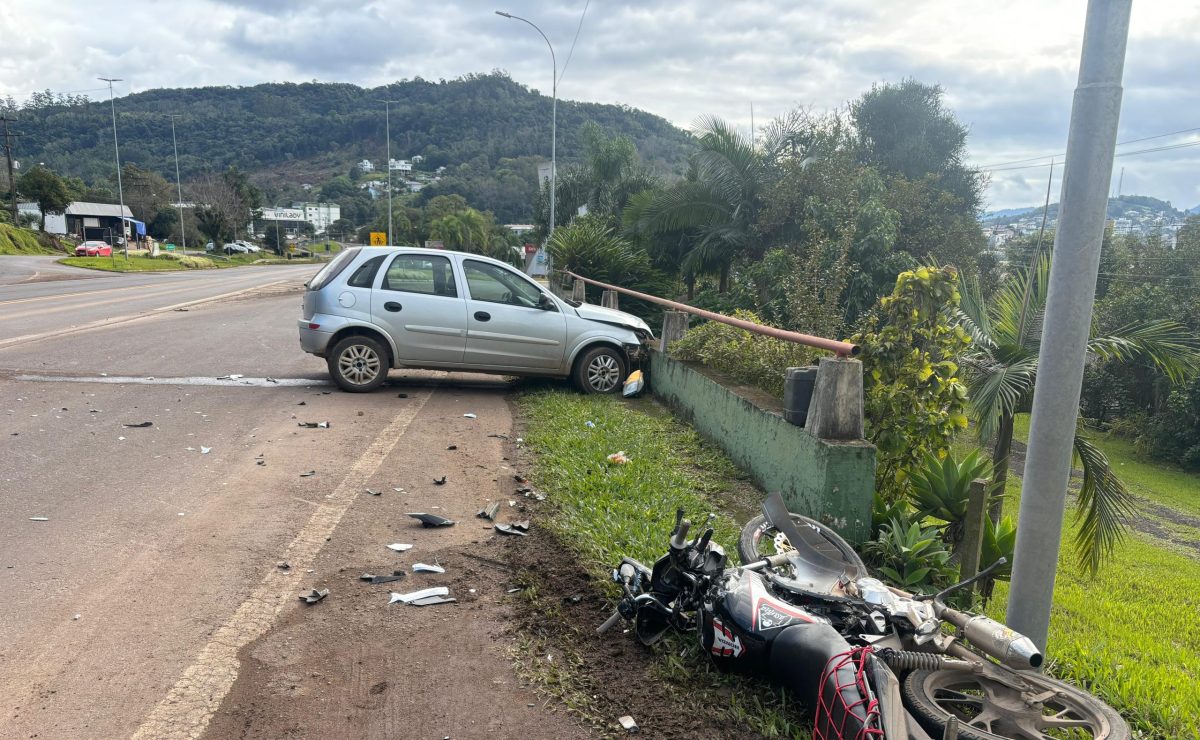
971,547
578,291
836,410
608,299
675,323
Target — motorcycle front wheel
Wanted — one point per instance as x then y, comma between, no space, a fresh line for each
990,709
759,539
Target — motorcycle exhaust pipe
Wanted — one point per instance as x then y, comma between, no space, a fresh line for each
997,640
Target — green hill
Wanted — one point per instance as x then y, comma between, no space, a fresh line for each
487,130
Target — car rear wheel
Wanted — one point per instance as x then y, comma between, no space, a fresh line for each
600,370
358,364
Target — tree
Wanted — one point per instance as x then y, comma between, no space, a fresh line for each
224,204
1001,369
46,189
145,192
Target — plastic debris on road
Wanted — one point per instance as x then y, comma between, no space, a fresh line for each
489,511
314,424
628,724
432,600
39,518
314,596
634,384
452,447
139,425
374,493
399,547
618,458
397,575
439,481
470,416
513,528
431,520
424,593
427,568
590,424
283,565
205,450
230,377
309,474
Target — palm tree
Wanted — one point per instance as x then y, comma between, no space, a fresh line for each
1001,368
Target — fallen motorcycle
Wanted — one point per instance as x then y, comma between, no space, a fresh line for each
805,612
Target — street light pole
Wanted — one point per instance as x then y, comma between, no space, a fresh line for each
553,117
178,183
117,150
387,118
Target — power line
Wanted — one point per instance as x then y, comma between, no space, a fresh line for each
572,50
1164,148
1119,143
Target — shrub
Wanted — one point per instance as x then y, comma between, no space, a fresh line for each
747,358
941,489
1173,435
911,556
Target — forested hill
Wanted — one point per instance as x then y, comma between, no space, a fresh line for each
488,130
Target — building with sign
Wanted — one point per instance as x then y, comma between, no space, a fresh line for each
320,215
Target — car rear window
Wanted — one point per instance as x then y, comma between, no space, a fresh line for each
333,269
418,273
364,276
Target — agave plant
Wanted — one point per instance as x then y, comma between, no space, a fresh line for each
1001,368
941,488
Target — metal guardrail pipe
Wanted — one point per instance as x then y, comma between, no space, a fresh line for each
842,349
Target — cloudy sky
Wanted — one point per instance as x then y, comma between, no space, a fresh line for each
1008,68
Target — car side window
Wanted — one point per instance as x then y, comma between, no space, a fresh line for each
364,276
416,273
494,284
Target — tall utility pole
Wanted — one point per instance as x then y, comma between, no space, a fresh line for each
387,119
1082,209
179,184
12,180
553,117
117,150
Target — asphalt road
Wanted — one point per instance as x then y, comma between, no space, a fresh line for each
138,562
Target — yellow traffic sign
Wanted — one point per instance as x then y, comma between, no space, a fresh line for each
378,239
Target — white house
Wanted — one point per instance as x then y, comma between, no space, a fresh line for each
417,159
399,165
366,166
414,186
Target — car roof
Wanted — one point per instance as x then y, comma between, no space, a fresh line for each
375,251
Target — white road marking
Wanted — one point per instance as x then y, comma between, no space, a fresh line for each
189,706
196,380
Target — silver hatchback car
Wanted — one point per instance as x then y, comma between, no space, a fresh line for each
375,308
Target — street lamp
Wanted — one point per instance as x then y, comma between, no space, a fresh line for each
553,116
117,150
178,182
387,117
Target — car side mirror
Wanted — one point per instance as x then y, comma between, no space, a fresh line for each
545,303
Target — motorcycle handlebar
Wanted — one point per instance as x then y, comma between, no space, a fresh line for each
608,623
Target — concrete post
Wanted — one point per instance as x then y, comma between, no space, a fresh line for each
675,325
608,299
578,291
836,410
1091,140
971,546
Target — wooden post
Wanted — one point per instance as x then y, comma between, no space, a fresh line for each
971,547
675,324
608,299
836,410
578,292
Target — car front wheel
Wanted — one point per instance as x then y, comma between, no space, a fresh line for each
600,370
358,364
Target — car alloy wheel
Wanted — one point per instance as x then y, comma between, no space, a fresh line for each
603,373
359,364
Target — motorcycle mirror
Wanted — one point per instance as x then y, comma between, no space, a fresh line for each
678,521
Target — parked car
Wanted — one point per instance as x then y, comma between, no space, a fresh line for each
247,245
371,309
234,248
94,249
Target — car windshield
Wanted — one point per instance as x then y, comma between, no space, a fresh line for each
333,269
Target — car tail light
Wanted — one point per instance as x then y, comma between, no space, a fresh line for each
314,326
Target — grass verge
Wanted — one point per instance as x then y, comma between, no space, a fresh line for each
15,240
138,264
604,511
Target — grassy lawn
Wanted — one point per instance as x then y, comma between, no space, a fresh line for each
15,240
605,511
120,264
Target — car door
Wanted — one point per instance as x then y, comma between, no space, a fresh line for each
418,302
506,325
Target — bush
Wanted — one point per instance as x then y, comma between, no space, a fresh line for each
14,240
941,489
1173,435
747,358
911,556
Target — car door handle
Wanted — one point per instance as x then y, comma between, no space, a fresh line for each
392,306
483,316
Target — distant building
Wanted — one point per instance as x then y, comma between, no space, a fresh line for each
543,172
366,166
88,221
519,229
306,186
320,215
418,159
399,165
414,186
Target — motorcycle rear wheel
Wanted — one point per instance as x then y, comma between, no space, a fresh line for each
757,541
988,709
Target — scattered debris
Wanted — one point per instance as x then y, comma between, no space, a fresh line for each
628,724
512,590
424,593
522,525
618,458
314,596
309,474
431,520
402,395
229,377
302,403
590,424
470,416
120,439
141,425
511,529
489,511
314,424
360,413
452,447
374,493
181,310
519,440
271,380
633,384
439,481
398,547
283,565
397,575
432,600
260,461
76,617
39,518
399,490
205,450
499,436
426,568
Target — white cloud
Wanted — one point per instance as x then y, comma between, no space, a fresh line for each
1008,68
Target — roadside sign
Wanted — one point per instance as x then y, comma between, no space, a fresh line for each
531,249
170,247
434,244
378,239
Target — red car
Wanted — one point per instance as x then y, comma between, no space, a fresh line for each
94,249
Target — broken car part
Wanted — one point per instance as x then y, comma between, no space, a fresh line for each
397,575
427,568
399,547
314,596
424,593
432,520
489,511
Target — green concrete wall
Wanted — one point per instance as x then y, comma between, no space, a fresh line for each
831,481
